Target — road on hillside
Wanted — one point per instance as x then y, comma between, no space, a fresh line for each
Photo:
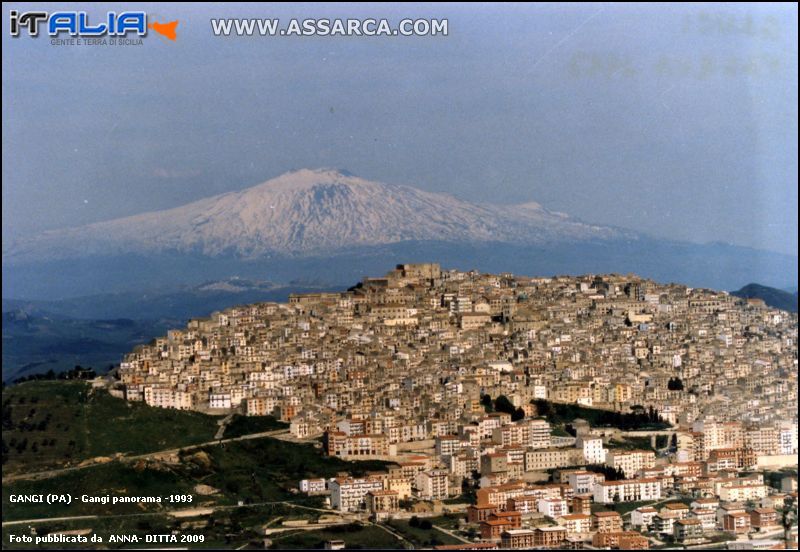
32,476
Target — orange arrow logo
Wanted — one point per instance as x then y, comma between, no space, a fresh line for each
165,29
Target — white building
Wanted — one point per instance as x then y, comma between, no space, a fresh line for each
539,434
643,516
742,493
552,507
432,484
787,438
593,451
582,482
349,495
313,486
627,490
219,400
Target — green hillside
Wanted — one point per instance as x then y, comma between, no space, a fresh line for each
56,423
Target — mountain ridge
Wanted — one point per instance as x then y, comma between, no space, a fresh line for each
329,226
308,212
773,297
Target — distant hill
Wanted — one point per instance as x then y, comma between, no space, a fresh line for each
332,227
773,297
179,303
96,330
35,342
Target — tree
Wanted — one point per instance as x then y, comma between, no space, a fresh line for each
502,404
675,384
611,474
542,408
518,414
788,515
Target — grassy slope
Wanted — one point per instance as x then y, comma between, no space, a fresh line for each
354,536
108,479
226,529
243,425
85,424
263,470
422,537
266,469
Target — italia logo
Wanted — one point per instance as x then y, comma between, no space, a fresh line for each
78,24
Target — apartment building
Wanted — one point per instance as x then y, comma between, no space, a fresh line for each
350,494
628,490
432,484
631,462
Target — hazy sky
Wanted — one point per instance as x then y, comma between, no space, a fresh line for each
679,121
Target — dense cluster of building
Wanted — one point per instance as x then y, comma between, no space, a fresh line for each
398,368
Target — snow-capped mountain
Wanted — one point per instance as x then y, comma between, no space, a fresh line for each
309,212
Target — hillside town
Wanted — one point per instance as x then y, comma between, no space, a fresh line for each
600,411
